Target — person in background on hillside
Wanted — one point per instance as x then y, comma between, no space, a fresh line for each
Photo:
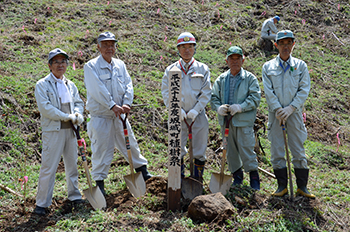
269,29
196,89
109,96
236,92
60,105
287,84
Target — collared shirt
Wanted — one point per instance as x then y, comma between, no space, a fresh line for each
233,81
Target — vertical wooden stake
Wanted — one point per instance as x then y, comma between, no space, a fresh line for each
174,140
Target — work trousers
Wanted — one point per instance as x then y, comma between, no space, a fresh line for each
296,136
57,144
105,134
200,131
240,148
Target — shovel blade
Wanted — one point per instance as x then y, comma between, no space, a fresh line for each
138,187
215,186
191,188
95,197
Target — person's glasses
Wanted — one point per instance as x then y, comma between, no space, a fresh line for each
285,44
58,62
105,46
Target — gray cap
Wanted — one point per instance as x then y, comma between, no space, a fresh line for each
284,35
106,36
57,51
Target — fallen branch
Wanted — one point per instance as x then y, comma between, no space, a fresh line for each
267,173
338,39
10,191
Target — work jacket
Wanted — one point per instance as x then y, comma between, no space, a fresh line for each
195,87
49,103
284,88
268,27
106,87
246,93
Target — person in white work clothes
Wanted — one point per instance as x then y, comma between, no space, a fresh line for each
60,105
109,96
196,92
269,29
287,85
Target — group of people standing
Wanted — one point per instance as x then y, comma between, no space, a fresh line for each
235,92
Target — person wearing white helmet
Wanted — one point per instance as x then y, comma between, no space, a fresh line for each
60,105
109,96
287,84
269,29
196,93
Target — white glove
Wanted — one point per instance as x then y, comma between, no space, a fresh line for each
222,110
286,112
235,108
182,115
70,117
192,114
79,119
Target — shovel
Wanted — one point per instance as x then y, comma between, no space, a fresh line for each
288,163
190,187
135,182
92,194
219,182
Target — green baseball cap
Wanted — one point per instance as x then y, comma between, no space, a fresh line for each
284,35
234,50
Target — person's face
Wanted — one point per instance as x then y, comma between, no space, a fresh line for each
186,51
107,49
235,62
285,47
58,66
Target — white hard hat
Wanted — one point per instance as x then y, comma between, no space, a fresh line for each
186,38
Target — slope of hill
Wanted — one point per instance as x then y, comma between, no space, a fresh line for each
147,33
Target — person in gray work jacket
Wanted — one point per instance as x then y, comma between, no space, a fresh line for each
287,84
109,96
237,92
269,29
195,96
59,104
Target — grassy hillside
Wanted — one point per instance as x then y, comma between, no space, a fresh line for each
147,33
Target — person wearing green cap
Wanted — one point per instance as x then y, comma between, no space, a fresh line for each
287,84
237,92
269,29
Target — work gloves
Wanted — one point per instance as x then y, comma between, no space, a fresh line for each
192,114
235,108
182,115
223,109
76,118
282,114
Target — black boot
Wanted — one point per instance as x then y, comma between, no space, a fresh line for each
237,177
143,169
101,185
302,176
182,168
198,169
254,180
40,211
282,181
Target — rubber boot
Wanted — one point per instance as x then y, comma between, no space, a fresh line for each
182,169
254,180
101,185
237,177
282,181
302,176
199,169
143,169
40,211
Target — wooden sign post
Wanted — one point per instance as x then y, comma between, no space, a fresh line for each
174,141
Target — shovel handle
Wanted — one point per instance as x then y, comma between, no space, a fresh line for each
223,160
288,162
189,126
127,144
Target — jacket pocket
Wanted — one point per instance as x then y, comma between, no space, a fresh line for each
196,82
52,98
276,78
121,85
107,81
